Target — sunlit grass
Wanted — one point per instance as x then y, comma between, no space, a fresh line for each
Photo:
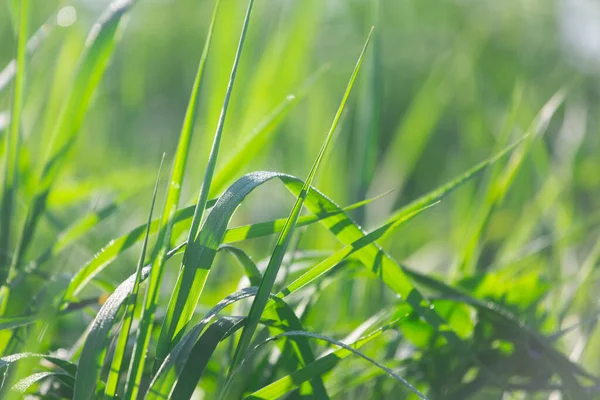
470,272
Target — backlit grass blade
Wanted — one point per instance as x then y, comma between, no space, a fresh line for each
94,349
117,246
498,188
348,250
99,48
261,135
171,203
67,366
293,334
270,274
119,352
11,157
200,354
189,293
34,42
24,384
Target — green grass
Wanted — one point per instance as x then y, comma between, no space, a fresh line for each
464,264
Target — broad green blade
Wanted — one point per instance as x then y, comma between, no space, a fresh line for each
99,48
348,250
181,363
119,352
174,320
260,301
170,368
136,366
11,157
94,349
294,334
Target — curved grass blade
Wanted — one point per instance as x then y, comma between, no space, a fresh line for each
24,384
261,135
181,370
245,261
118,355
348,250
170,368
67,366
260,301
294,334
99,48
201,353
9,186
94,348
319,367
174,320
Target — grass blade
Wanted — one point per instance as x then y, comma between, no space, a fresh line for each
99,48
175,320
115,370
261,298
294,334
163,241
11,160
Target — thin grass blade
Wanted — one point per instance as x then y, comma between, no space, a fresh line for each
260,301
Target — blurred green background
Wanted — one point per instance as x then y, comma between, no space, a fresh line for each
431,101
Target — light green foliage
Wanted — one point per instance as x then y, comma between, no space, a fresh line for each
463,146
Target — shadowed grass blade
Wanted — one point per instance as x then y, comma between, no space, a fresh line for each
260,301
177,318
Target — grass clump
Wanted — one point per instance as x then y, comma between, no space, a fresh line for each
480,296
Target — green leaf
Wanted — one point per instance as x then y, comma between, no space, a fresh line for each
24,384
178,317
11,157
99,48
294,334
260,301
119,352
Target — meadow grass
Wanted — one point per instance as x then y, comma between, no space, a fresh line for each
463,266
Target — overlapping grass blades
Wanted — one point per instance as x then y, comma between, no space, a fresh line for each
136,367
191,279
99,48
282,243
